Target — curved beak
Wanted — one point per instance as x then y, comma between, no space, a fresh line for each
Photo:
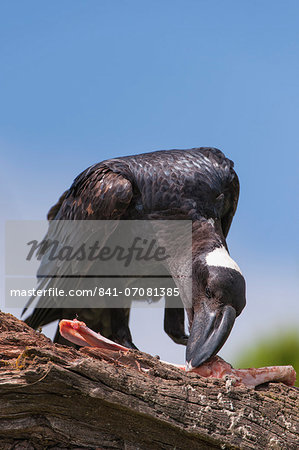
209,331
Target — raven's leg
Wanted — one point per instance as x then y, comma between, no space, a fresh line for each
174,320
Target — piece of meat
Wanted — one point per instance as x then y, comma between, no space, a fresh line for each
78,333
216,367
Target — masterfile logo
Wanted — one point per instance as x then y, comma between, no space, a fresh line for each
72,259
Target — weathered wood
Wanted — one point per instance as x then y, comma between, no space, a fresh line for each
57,397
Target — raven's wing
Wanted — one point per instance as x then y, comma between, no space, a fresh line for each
227,201
232,196
96,194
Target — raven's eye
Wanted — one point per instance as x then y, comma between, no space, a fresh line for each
208,293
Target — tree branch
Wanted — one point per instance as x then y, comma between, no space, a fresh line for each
55,396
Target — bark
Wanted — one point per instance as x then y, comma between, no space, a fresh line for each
57,397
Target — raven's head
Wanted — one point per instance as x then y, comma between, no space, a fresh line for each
218,297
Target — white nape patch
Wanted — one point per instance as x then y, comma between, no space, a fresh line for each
220,258
211,222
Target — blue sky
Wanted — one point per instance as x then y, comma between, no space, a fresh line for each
82,81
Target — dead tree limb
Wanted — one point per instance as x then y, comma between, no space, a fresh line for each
57,397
